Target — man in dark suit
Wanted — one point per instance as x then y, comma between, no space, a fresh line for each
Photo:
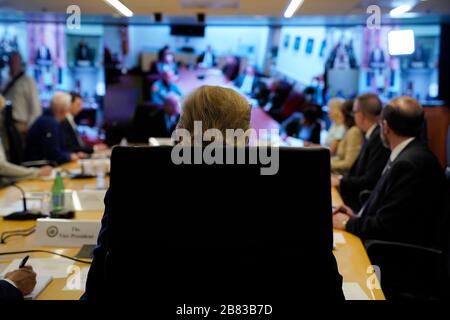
72,139
367,169
45,139
17,284
407,203
249,83
207,59
159,123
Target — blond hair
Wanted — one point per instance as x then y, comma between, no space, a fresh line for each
216,108
60,100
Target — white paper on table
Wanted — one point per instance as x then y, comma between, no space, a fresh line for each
55,268
32,204
77,282
41,283
338,238
89,200
353,291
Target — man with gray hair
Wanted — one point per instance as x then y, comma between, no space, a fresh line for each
45,139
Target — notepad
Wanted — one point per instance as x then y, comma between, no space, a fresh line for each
353,291
338,238
41,283
55,268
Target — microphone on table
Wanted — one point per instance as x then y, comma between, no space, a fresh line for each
25,214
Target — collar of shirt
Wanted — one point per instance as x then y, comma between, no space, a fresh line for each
370,131
71,120
398,149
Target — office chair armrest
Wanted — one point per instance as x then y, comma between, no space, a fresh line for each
38,164
394,246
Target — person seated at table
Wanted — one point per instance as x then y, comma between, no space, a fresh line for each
367,169
17,284
166,64
407,203
349,148
72,138
207,59
279,91
305,126
231,68
165,88
217,108
337,130
45,139
11,172
160,123
249,82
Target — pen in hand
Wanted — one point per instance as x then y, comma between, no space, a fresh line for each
24,261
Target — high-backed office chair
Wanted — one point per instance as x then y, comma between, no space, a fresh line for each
411,272
447,171
207,238
16,146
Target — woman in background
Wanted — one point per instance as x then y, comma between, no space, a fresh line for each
349,148
337,130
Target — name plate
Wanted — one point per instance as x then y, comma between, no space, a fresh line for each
66,233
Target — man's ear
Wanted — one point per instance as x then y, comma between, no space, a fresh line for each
386,128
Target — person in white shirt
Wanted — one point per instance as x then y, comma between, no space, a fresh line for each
207,59
21,90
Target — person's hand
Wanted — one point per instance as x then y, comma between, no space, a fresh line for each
336,181
74,157
45,171
343,209
82,155
100,147
340,221
24,279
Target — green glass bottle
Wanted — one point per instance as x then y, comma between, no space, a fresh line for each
58,193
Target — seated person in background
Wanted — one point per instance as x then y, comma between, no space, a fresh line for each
408,201
232,68
12,172
160,123
279,92
349,148
72,139
167,64
207,59
367,169
217,108
337,129
305,126
165,88
248,83
17,284
45,139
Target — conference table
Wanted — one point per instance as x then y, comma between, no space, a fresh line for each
353,262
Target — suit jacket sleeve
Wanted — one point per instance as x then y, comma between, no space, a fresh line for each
8,292
377,161
95,284
380,223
